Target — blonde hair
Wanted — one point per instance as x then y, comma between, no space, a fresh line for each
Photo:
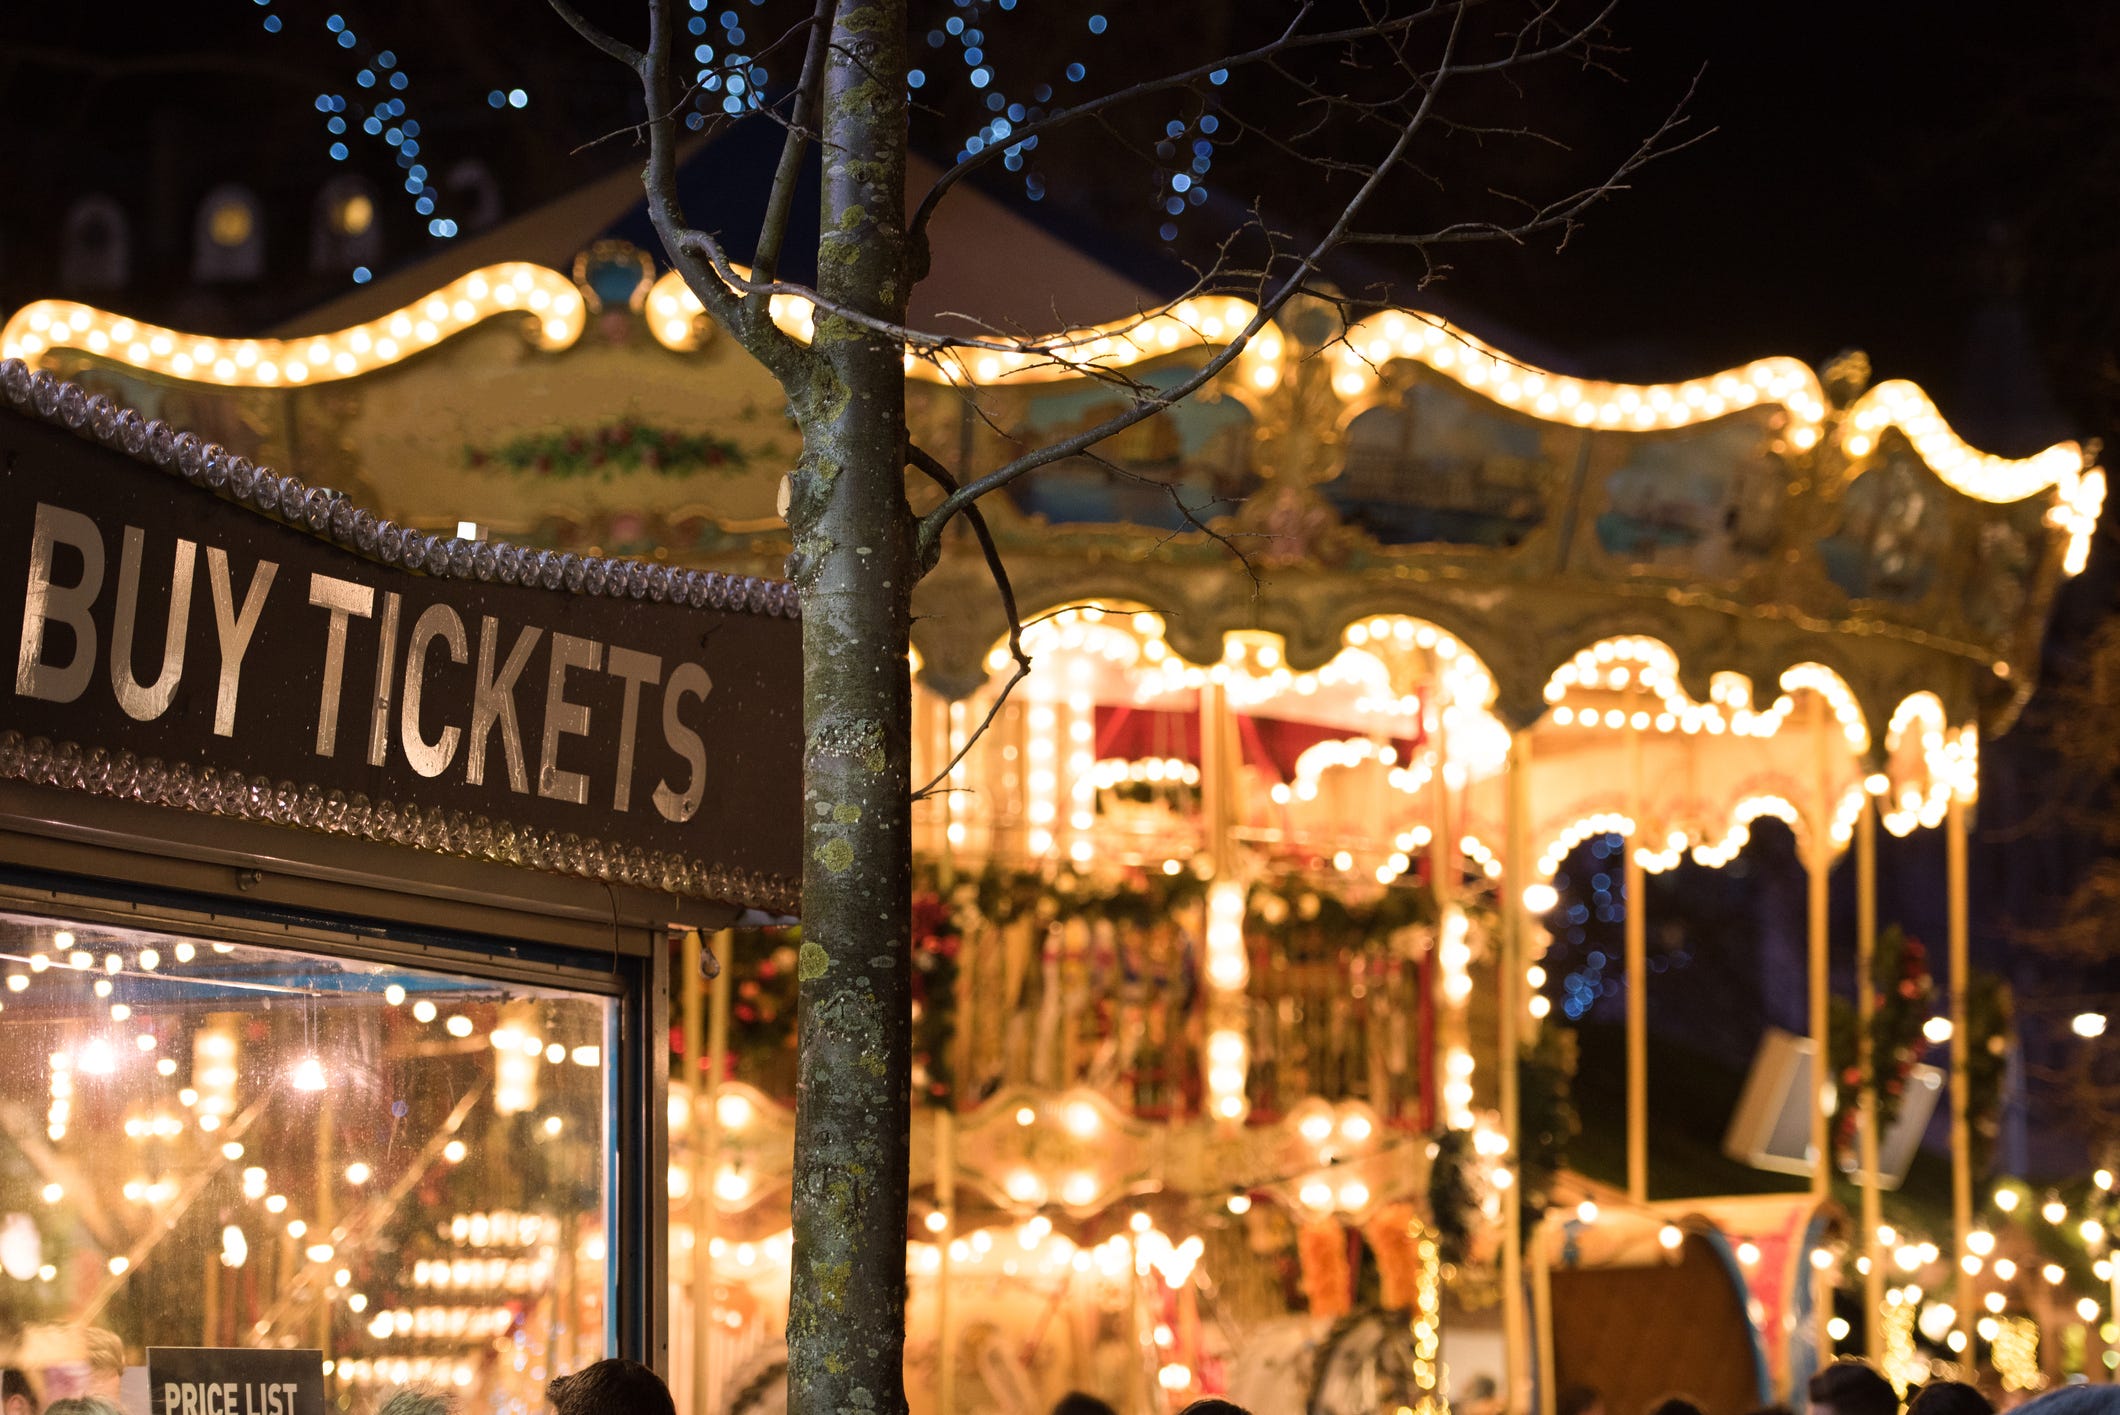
106,1353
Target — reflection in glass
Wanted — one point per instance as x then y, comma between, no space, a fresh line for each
212,1144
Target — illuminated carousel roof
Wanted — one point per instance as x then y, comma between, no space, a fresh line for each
1749,521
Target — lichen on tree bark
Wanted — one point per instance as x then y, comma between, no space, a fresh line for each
848,513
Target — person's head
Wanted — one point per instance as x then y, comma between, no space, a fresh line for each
1480,1390
17,1395
612,1387
1579,1400
106,1362
1949,1398
420,1400
82,1405
1213,1405
2075,1399
1676,1405
1077,1403
1852,1388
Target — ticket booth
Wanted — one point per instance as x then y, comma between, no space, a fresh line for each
338,864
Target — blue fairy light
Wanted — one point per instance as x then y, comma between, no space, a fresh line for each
518,99
272,24
362,275
1097,24
914,78
1075,72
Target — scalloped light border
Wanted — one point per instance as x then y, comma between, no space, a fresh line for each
549,297
329,515
673,315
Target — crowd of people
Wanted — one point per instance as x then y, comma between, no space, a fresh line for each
618,1387
1855,1387
605,1388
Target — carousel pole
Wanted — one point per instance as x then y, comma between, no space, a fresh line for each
1961,1127
946,1202
1865,1064
707,1118
695,1025
1509,1002
1448,1032
1637,966
1818,869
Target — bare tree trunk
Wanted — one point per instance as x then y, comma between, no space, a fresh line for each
855,568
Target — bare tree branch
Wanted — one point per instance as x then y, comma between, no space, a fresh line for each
933,523
617,48
698,256
780,200
928,464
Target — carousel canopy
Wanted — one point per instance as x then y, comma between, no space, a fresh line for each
1756,592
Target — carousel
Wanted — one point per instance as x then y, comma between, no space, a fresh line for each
1240,1068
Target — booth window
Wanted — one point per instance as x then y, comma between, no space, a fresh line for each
205,1143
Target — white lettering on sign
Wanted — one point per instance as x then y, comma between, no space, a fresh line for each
342,598
71,629
228,1397
235,628
67,605
146,702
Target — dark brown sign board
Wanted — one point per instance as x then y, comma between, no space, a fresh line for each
234,1380
186,629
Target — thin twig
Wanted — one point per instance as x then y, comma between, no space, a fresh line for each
927,463
932,524
780,200
617,48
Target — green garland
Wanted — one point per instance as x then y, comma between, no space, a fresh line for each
937,937
1546,1117
1453,1203
1988,1008
626,445
1290,912
1906,998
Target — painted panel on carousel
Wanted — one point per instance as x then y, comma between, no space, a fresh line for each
1202,448
2007,551
1704,501
1441,466
1891,534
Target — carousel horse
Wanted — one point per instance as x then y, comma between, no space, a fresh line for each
1360,1364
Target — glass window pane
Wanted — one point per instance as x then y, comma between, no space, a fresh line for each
213,1144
